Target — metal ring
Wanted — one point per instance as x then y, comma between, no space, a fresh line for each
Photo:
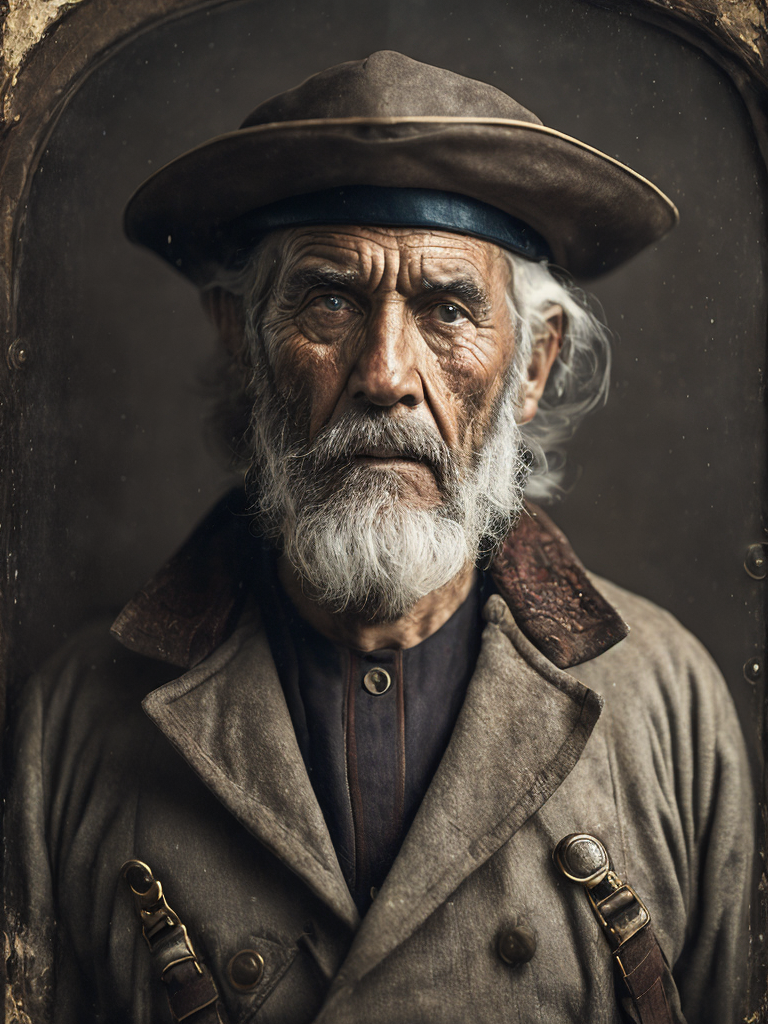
561,859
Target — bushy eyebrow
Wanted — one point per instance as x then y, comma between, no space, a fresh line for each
461,288
304,279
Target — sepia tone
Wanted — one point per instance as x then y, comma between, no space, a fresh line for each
50,50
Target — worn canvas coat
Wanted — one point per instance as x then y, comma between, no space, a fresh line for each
195,769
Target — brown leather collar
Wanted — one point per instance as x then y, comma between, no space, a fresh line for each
193,603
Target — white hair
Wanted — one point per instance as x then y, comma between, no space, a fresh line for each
579,380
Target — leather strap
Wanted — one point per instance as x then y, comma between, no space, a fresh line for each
644,969
192,994
626,923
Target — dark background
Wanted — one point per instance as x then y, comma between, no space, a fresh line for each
118,469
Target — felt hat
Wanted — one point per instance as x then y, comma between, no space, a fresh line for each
388,140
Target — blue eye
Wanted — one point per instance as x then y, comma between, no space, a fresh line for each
333,302
448,313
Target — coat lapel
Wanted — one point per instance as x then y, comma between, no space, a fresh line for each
521,730
229,720
523,726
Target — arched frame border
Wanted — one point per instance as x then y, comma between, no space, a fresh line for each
49,47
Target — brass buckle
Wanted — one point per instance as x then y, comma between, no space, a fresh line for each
156,917
168,941
621,914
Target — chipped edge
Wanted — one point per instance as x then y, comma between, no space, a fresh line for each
24,26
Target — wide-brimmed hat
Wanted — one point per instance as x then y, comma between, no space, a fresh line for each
391,140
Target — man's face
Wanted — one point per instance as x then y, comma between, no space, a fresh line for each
385,452
413,323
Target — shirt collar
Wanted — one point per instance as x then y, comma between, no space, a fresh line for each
191,606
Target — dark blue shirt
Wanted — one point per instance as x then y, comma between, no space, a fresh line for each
372,727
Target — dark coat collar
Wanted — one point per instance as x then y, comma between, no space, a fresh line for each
193,603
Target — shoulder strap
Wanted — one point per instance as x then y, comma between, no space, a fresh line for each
191,990
624,921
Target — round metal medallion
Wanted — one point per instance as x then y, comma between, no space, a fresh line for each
582,858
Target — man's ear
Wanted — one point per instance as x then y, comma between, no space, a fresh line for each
227,314
546,347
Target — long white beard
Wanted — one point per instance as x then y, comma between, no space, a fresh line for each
348,529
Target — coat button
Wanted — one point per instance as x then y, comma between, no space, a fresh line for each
517,944
246,969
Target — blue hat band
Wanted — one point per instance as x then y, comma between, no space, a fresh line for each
395,207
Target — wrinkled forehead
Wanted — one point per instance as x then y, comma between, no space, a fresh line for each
379,255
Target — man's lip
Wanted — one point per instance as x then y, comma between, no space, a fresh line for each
383,453
391,460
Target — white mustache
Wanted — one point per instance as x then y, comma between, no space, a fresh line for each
373,432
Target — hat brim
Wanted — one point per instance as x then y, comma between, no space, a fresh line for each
594,211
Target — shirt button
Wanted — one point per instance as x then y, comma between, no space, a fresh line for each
246,969
377,681
517,944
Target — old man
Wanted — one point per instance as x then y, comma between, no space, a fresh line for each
373,746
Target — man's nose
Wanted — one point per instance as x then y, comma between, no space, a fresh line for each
386,369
